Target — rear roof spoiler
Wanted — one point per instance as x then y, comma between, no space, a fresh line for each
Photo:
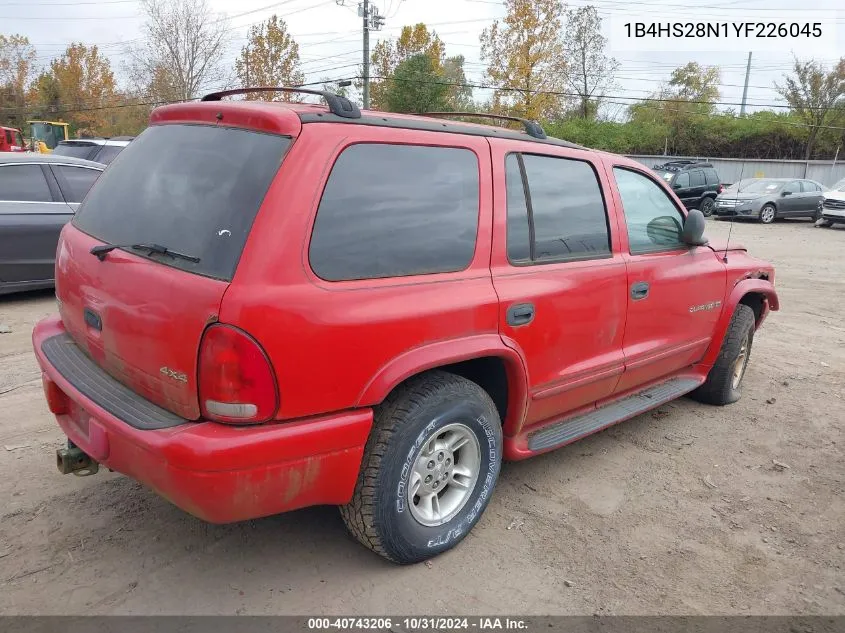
341,106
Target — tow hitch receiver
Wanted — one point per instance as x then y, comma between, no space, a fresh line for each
73,460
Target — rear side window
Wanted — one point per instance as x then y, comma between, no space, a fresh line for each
396,210
107,154
563,210
711,176
195,189
24,183
696,178
75,181
809,187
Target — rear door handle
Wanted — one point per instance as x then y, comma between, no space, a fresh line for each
520,313
639,291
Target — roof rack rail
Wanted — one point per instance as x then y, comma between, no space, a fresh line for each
532,128
341,106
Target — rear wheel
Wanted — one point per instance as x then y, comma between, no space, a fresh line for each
768,214
706,207
429,468
725,378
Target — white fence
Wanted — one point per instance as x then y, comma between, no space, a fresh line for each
733,169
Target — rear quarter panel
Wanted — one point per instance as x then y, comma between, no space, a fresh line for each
329,341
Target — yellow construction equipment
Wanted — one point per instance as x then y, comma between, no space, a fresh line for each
45,135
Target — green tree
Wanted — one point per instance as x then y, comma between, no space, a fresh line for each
815,95
526,58
416,86
270,58
388,54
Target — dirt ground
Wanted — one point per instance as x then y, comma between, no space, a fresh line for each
620,523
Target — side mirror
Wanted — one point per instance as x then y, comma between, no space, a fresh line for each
786,193
693,232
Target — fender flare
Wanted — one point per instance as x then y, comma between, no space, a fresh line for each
742,288
440,353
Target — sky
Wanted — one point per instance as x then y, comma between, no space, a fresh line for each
329,36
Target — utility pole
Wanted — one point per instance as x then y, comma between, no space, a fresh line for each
370,20
745,88
366,17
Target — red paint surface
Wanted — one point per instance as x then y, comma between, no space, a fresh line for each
338,348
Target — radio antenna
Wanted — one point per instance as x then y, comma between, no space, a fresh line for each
733,215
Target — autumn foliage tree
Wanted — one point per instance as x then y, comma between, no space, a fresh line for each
591,70
525,54
270,58
17,65
82,83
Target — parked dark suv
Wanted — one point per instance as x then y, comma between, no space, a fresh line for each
265,306
695,183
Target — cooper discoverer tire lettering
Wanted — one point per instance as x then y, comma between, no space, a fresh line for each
428,428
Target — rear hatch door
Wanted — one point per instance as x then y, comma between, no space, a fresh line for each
140,313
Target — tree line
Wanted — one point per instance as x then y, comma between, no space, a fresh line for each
543,61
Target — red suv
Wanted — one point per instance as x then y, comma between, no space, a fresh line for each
266,306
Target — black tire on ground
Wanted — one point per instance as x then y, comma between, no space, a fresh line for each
706,206
721,386
768,218
406,424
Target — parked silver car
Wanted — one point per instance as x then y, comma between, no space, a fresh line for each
767,199
100,150
39,193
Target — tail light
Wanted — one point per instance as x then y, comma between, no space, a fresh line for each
236,381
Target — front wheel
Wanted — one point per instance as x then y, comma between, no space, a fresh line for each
429,468
725,378
706,207
767,214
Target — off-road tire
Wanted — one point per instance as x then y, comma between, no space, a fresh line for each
718,389
378,514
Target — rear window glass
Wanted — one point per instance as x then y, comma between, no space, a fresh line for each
194,189
76,150
396,210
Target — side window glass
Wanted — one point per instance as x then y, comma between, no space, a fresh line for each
563,214
653,220
75,181
519,249
396,210
696,178
711,176
24,183
681,181
793,187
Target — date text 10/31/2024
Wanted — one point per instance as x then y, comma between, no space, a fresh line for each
418,623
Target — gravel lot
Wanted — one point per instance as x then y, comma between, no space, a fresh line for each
624,517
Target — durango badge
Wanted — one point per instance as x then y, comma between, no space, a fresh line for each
705,306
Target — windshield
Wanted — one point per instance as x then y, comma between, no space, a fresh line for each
49,134
762,186
839,186
76,150
195,189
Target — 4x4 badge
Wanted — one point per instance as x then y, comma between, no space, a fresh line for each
176,375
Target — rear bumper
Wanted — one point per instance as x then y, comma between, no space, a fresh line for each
216,472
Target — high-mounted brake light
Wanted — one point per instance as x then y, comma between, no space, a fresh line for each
236,381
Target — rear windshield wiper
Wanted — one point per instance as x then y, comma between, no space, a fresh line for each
104,249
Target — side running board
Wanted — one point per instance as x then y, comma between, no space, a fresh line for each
573,429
